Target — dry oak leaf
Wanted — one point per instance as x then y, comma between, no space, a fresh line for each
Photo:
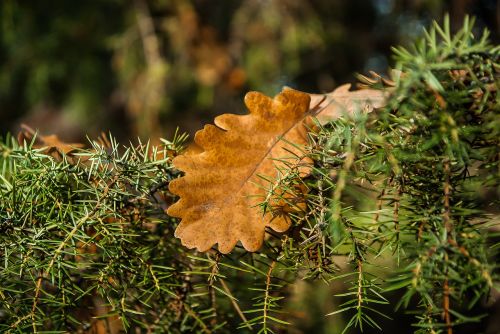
330,106
233,165
52,144
224,183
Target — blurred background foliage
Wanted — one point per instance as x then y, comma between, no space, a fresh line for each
144,67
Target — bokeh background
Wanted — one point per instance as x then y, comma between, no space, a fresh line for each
144,67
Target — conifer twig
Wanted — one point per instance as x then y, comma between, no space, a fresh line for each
235,303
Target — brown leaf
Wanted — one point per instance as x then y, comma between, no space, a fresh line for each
375,78
330,106
224,183
53,145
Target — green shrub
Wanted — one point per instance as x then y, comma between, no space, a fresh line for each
85,243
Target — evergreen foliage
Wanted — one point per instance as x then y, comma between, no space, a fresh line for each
85,242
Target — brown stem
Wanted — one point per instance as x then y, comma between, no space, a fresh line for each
446,190
266,296
213,300
446,307
234,303
420,231
380,201
448,226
